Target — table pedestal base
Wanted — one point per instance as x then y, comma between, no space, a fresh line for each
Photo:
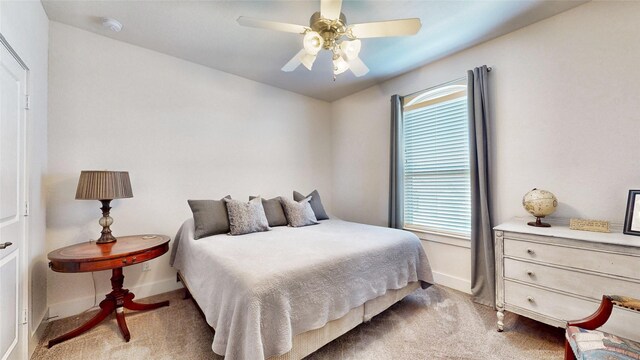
116,300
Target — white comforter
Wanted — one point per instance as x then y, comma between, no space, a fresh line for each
259,290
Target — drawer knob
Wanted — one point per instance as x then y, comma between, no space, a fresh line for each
530,299
530,273
530,251
124,261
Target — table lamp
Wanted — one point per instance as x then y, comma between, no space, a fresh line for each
104,186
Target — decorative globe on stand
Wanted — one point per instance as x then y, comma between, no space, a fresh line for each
539,203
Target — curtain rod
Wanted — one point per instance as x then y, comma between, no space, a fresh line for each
445,83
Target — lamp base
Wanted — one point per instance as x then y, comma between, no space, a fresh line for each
106,238
538,223
106,221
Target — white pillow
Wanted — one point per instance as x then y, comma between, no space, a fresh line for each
246,217
299,213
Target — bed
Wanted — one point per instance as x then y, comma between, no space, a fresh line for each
284,293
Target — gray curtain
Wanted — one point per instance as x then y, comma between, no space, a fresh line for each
395,165
483,281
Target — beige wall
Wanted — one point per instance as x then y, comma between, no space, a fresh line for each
183,131
566,118
25,26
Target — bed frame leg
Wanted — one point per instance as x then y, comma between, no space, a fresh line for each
187,294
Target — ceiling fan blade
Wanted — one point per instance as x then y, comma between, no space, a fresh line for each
330,9
358,67
294,62
271,25
308,59
400,27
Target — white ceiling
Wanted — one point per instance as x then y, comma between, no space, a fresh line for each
206,32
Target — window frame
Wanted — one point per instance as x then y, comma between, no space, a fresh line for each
434,95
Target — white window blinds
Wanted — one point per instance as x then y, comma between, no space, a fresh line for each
437,195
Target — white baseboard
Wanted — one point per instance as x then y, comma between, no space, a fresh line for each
453,282
79,305
37,334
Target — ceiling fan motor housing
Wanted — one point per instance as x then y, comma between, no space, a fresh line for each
330,30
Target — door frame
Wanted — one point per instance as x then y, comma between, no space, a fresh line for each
24,313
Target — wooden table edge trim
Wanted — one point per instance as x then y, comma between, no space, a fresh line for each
102,265
57,251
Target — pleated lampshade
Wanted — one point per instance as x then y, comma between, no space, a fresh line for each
103,185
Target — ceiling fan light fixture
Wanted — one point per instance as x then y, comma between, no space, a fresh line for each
312,42
328,29
350,49
339,65
307,60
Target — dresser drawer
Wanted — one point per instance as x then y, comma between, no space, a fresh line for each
575,282
603,262
564,307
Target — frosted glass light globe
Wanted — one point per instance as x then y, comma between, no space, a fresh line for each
312,42
351,49
339,65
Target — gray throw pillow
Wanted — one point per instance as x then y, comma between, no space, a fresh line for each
273,210
209,217
299,213
245,218
316,204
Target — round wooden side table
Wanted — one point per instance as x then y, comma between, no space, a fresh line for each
90,256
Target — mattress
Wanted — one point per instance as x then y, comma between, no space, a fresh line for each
258,291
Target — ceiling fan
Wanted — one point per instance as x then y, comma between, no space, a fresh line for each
328,29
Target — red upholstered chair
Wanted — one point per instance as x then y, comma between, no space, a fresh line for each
584,342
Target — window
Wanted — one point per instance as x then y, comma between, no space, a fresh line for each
437,192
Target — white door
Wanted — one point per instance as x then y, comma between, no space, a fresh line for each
12,204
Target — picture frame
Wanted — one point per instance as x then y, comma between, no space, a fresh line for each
632,216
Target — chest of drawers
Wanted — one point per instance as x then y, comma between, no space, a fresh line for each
556,274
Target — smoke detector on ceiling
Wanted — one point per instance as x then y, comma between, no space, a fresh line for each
111,24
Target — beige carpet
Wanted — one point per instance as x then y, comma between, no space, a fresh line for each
437,323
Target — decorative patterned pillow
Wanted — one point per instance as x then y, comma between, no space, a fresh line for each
299,213
273,210
245,218
209,217
594,344
316,204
